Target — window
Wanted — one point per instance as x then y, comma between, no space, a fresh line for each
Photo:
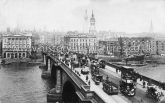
4,55
23,55
15,55
19,55
8,55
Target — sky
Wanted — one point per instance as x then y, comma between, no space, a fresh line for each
130,16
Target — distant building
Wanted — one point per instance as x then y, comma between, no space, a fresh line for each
127,46
108,46
158,46
52,38
0,43
16,46
58,38
80,42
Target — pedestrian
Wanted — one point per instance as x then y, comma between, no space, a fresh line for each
144,83
116,70
87,78
89,82
141,101
107,78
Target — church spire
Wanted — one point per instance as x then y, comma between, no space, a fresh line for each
151,27
92,24
92,14
86,15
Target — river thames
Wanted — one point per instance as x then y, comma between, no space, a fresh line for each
154,72
22,83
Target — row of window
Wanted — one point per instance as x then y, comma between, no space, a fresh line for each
17,38
16,46
14,55
74,47
81,40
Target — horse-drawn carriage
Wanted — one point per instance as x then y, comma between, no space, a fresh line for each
85,70
97,78
153,92
109,87
101,64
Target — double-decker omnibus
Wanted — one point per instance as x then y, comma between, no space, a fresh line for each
128,81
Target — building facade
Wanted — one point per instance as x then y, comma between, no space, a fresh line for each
128,46
16,46
158,46
80,42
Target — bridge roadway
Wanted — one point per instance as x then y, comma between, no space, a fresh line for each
98,89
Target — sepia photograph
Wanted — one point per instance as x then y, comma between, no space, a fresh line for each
82,51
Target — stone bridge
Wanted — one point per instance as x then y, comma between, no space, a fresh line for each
69,87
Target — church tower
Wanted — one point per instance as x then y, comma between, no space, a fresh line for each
151,27
151,30
92,29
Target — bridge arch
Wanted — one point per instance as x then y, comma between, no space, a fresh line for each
69,93
54,73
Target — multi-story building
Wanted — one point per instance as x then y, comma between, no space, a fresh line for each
108,46
16,46
0,44
127,46
52,38
158,46
58,38
80,42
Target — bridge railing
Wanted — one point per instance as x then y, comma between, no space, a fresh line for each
78,81
91,95
85,89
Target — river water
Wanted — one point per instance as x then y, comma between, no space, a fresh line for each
154,72
22,83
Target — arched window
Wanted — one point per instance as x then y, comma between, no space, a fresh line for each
4,55
12,55
23,55
8,55
15,55
19,55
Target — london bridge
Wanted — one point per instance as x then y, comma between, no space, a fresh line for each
71,84
82,51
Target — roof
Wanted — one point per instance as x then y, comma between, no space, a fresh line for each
17,35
